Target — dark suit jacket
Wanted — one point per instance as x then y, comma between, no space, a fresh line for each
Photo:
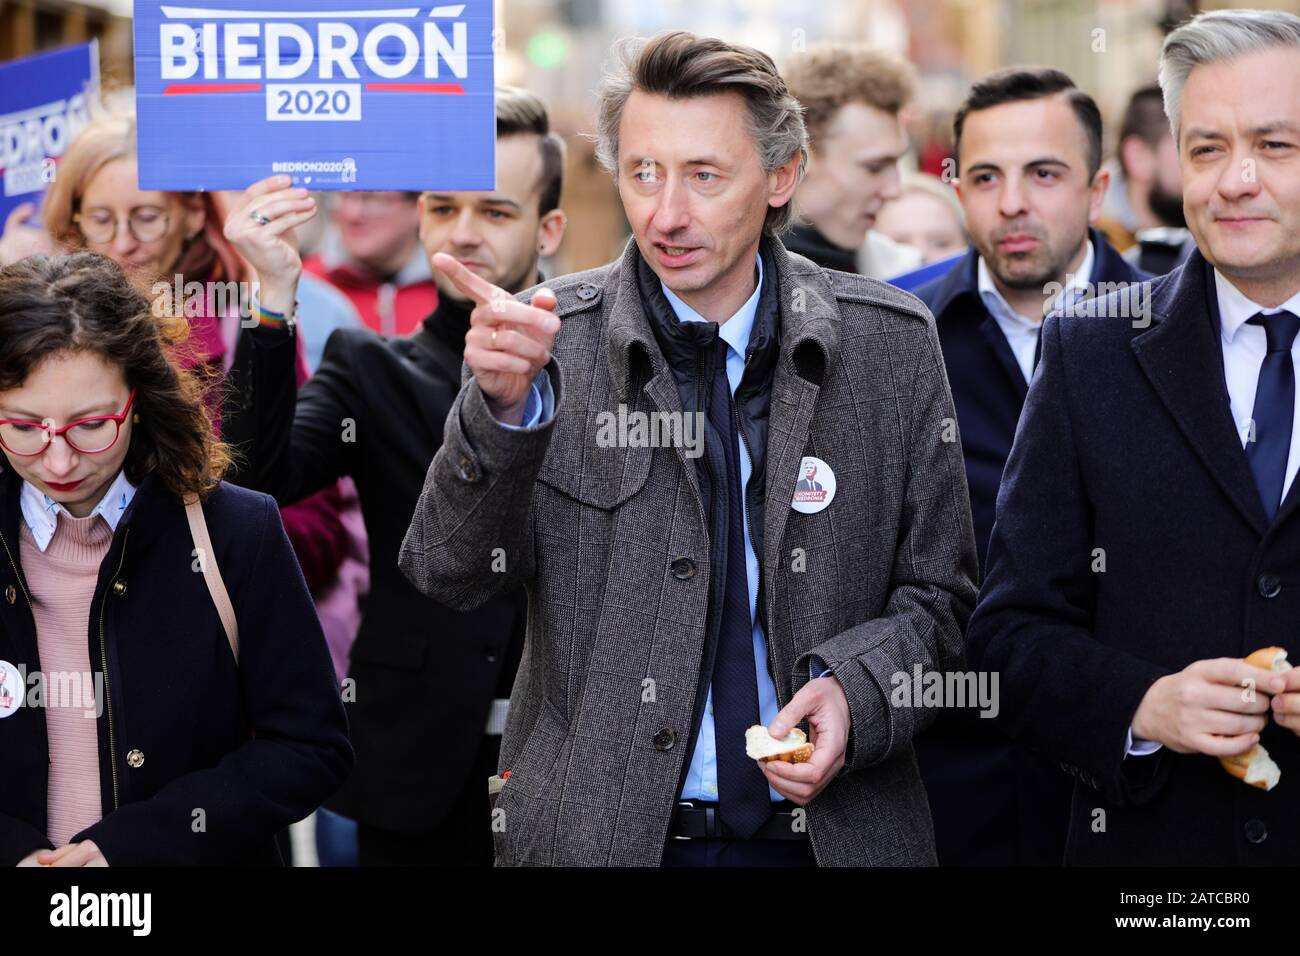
1128,445
993,803
425,674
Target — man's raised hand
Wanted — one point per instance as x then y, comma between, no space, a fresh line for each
508,342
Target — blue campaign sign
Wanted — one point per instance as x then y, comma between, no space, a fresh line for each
44,102
340,94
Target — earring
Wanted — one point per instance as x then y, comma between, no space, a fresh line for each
135,418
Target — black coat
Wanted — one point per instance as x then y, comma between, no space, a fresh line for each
255,747
1128,445
993,803
425,675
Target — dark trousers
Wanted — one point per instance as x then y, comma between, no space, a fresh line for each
462,838
738,853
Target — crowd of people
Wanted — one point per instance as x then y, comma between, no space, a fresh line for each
356,546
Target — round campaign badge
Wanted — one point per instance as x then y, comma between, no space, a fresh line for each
815,488
11,689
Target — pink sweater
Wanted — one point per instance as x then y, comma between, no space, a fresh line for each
62,582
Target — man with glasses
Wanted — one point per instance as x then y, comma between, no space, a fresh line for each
431,683
373,256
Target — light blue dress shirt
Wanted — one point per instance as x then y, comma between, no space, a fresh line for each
702,776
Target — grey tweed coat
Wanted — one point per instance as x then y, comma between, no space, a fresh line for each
612,547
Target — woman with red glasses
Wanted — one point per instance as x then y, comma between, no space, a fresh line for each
195,713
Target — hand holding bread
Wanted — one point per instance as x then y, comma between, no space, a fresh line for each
1255,767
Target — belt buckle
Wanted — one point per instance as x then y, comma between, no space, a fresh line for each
712,826
688,805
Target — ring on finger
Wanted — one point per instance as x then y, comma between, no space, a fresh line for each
258,218
493,343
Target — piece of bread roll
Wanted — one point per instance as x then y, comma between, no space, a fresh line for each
763,747
1255,767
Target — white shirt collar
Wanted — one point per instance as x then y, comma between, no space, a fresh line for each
41,512
1235,307
1001,309
735,331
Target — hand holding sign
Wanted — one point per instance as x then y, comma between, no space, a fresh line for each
21,239
261,228
508,341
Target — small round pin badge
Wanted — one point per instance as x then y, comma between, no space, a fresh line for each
815,488
11,689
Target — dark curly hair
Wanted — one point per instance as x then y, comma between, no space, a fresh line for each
84,303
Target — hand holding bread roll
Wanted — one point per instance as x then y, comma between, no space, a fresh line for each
1255,767
763,747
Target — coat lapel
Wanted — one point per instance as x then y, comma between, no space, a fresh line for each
809,346
1184,362
627,331
16,618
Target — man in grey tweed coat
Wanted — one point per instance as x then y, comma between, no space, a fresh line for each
576,460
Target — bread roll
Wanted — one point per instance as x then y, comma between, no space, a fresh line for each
1255,767
763,747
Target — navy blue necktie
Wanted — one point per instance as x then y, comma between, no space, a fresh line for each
743,801
1274,409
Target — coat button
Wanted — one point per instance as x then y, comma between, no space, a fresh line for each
1256,832
135,758
1269,585
119,587
587,292
683,569
11,594
465,468
665,739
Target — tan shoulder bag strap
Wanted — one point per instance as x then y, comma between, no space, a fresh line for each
211,573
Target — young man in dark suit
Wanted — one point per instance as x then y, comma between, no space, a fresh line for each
1147,537
1028,145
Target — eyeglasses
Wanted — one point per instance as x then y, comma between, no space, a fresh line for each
145,223
89,436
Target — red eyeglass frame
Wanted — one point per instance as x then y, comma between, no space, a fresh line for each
53,433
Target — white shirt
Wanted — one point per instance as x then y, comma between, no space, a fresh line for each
1021,332
41,512
1244,347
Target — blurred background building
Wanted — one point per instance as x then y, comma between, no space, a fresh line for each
558,47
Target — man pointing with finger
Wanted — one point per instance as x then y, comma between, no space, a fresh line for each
676,600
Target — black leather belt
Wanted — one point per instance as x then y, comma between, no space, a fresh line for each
697,820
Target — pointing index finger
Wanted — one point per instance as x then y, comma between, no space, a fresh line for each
474,286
